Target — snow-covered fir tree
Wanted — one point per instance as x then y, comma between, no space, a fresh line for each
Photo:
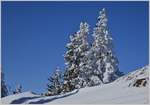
18,89
4,90
105,68
92,78
74,57
54,86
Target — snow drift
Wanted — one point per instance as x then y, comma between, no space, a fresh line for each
128,89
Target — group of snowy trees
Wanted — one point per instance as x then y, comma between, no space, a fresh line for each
4,88
88,64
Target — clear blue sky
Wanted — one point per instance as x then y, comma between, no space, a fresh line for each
34,35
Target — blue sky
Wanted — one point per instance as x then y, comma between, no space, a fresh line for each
34,35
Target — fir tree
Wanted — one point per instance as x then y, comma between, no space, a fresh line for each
105,62
54,86
4,90
18,89
74,58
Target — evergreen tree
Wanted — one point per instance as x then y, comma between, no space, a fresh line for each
18,89
105,62
74,58
4,90
91,73
55,86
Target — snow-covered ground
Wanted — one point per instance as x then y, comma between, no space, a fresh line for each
120,91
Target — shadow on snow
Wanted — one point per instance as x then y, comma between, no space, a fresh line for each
41,101
22,100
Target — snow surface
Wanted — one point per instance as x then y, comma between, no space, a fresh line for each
19,98
117,92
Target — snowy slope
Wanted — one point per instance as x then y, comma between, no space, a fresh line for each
120,91
19,98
